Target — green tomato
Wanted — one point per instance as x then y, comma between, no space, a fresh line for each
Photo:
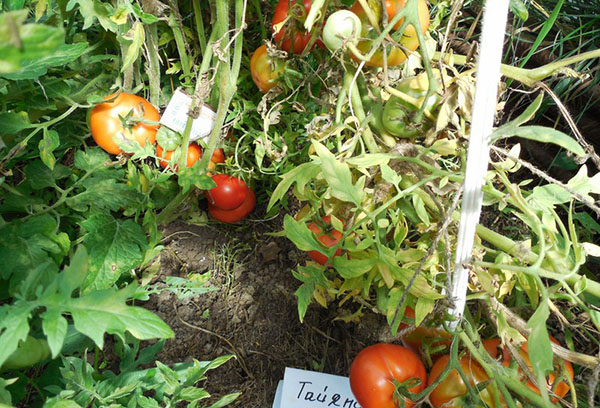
341,27
29,352
399,115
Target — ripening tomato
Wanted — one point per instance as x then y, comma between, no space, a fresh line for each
433,338
409,41
328,238
194,154
229,193
264,69
494,348
293,28
218,156
235,215
453,392
106,121
374,370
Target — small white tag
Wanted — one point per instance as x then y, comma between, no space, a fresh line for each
176,115
303,389
277,400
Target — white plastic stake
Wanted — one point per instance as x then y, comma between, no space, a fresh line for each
486,95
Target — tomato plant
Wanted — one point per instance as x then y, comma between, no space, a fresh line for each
123,119
494,348
229,193
235,215
376,368
453,392
293,30
264,69
409,40
328,238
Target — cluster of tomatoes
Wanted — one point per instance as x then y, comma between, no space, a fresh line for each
341,26
375,369
378,370
127,118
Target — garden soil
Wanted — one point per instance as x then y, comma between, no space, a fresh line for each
252,314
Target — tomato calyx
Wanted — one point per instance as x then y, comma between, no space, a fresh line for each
288,25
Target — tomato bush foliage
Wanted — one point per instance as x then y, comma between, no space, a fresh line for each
367,142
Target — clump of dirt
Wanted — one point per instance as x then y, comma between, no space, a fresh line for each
252,314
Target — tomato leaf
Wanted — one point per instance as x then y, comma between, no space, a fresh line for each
540,351
103,193
115,247
352,268
134,39
423,307
300,175
13,122
14,326
301,236
104,311
55,329
339,177
311,276
47,145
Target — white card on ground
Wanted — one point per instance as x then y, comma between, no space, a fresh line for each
310,389
176,115
277,400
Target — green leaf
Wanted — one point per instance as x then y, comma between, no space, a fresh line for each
61,403
135,39
73,276
14,326
389,174
225,400
5,397
170,377
106,311
540,351
20,42
104,194
542,134
300,175
33,68
423,307
519,9
300,235
115,247
93,10
352,268
11,122
55,329
40,176
189,177
193,394
339,177
47,145
311,276
91,160
419,206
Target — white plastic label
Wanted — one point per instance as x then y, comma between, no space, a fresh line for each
304,389
176,115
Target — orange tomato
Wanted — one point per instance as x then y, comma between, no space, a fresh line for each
493,347
264,69
194,154
107,126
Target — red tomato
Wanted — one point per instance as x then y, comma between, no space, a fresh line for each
409,40
107,127
194,154
452,391
374,370
329,239
231,216
283,38
229,193
493,347
421,336
264,69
